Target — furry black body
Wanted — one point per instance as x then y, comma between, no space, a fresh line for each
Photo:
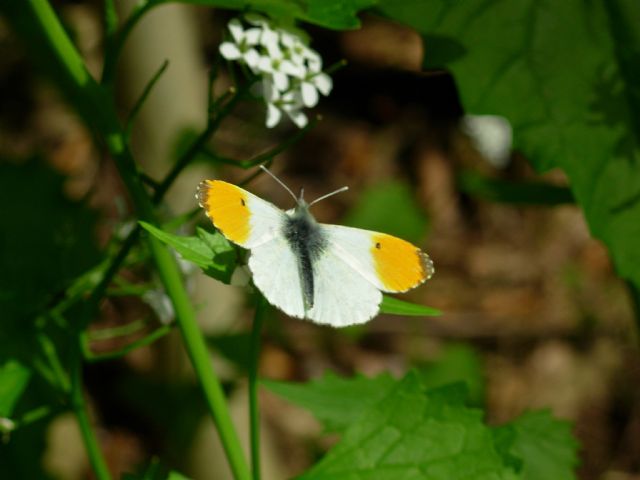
305,238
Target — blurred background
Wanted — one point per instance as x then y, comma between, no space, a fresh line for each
534,315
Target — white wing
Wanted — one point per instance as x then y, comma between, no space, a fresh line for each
342,296
275,273
388,262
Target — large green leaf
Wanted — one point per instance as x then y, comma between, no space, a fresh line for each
567,76
410,434
542,444
335,14
209,251
336,402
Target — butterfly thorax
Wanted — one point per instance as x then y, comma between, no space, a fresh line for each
304,236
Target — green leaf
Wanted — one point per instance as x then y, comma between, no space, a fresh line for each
394,306
14,378
584,119
410,434
209,251
390,208
334,14
519,193
336,402
457,363
543,445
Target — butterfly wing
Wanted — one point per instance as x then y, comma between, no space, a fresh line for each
275,272
241,217
341,295
390,263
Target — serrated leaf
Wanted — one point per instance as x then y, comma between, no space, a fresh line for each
209,251
14,378
334,14
336,402
583,119
379,208
412,435
394,306
543,445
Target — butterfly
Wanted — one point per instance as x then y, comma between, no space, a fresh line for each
329,274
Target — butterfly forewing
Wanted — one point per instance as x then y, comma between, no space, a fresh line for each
390,263
242,217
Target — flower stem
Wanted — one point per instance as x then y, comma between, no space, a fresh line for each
254,413
80,409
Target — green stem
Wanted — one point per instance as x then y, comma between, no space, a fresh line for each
263,157
148,340
119,38
80,408
254,412
51,354
40,29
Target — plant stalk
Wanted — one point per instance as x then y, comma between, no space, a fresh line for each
254,412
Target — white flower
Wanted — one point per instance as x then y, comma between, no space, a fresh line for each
491,135
291,72
243,46
312,84
289,102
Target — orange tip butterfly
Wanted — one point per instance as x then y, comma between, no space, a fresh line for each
329,274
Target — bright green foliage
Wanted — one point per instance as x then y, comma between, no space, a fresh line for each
457,363
390,208
412,435
209,251
404,429
542,445
566,75
335,14
336,402
394,306
14,378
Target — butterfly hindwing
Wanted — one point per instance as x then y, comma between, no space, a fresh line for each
241,217
341,296
390,263
275,272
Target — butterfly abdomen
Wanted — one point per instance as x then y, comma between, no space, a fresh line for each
307,243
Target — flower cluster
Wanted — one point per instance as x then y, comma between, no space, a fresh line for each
291,72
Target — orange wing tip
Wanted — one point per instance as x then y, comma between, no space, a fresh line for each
400,265
226,206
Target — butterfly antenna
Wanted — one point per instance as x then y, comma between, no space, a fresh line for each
340,190
266,170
